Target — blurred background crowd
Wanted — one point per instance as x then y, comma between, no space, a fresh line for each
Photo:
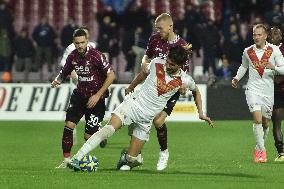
34,33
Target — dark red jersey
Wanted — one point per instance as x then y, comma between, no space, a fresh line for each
279,79
92,69
158,47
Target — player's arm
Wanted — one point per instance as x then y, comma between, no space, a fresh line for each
198,101
279,61
241,71
73,74
137,80
145,62
64,72
109,80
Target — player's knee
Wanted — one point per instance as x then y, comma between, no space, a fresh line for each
87,136
158,122
258,121
70,124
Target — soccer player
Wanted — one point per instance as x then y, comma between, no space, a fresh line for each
74,76
95,75
164,79
276,38
262,59
71,48
158,46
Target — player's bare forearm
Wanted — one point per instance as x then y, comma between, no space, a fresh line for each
109,80
198,101
138,79
145,61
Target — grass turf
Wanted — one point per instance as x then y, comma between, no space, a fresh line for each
200,157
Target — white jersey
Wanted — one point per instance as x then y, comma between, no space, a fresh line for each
260,80
157,89
71,48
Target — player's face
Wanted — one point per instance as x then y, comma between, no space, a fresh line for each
276,36
163,28
80,43
259,37
171,67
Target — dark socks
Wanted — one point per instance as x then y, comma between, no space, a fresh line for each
162,135
67,141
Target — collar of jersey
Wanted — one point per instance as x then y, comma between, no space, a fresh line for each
264,48
175,40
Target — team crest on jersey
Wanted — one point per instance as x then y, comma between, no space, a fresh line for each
259,65
162,86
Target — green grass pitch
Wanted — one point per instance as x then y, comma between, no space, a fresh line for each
200,157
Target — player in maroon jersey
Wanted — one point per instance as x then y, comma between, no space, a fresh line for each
158,46
276,38
95,75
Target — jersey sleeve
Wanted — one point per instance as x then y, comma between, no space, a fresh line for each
245,61
150,48
278,57
189,83
67,51
104,64
67,68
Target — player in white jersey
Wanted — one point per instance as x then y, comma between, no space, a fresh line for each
263,60
164,79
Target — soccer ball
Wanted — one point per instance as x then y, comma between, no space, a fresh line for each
89,163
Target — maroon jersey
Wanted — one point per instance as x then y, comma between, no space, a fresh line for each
279,79
158,47
91,69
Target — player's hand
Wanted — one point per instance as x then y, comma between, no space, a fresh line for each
234,83
55,83
144,67
93,100
269,66
128,90
205,118
188,47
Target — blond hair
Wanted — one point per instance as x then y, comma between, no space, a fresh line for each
164,16
264,27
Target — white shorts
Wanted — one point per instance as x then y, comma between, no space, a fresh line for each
126,112
260,103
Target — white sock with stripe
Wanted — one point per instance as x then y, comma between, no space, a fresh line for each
94,141
259,136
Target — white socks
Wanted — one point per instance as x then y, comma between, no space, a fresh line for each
259,136
94,141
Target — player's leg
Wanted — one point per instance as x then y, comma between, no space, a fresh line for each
162,135
162,131
94,141
265,126
94,118
277,133
259,136
73,115
132,158
254,103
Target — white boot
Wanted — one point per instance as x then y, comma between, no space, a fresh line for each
63,165
163,160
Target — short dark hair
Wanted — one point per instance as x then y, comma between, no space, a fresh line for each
178,55
79,32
